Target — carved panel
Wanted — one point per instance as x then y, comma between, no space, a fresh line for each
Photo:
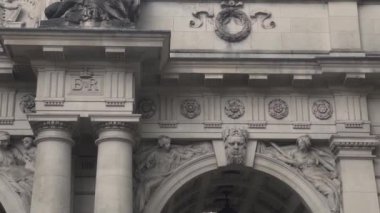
278,109
86,83
322,109
190,108
234,108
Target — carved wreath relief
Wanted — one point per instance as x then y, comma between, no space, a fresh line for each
322,109
234,108
190,108
147,108
278,109
27,103
232,14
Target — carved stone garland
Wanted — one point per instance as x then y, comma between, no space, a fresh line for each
147,108
278,109
27,103
322,109
231,11
234,108
190,108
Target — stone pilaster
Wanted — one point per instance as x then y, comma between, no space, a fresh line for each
356,168
52,179
114,185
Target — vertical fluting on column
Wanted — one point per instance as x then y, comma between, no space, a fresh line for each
52,178
114,185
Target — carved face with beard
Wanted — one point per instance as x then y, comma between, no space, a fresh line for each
235,143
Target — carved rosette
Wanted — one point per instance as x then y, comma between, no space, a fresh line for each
147,108
190,108
234,108
322,109
27,103
278,109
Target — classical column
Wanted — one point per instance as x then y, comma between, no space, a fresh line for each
356,169
52,178
114,186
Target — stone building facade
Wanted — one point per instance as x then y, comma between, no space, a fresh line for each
122,106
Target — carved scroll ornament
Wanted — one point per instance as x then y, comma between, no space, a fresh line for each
317,166
232,13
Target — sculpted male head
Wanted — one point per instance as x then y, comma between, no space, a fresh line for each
164,142
5,139
235,143
304,142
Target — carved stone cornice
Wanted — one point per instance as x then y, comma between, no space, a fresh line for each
354,146
114,125
53,131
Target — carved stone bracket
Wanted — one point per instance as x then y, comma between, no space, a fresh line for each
348,146
231,13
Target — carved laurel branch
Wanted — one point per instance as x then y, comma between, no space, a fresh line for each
200,17
266,21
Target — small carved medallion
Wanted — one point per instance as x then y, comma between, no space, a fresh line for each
190,108
278,109
147,108
322,109
27,103
234,108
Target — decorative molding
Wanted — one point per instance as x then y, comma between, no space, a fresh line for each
234,108
340,143
7,121
278,109
354,124
301,125
168,124
322,109
147,108
52,125
28,104
257,124
190,108
213,124
115,103
54,102
231,10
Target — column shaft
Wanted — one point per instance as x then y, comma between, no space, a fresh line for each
114,185
52,179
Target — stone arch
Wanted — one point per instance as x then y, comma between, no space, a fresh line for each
311,197
10,199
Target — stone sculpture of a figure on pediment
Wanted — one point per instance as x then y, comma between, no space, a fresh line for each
17,166
19,13
10,10
315,164
235,143
77,12
154,164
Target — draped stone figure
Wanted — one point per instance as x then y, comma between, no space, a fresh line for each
10,11
154,164
115,13
315,164
17,166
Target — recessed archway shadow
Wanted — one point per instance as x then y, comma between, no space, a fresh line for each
248,191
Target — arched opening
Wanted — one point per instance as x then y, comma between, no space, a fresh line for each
247,191
2,210
292,188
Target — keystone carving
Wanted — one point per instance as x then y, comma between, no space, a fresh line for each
190,108
317,165
232,13
235,143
